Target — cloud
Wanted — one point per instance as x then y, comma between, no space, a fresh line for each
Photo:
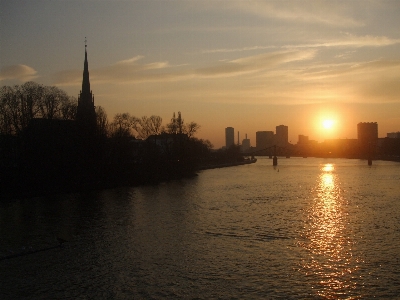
349,40
366,69
225,50
254,63
363,82
17,72
131,70
313,12
352,41
120,72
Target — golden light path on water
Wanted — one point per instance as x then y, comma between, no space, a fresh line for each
328,241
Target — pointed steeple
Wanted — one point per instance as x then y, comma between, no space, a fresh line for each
85,115
85,80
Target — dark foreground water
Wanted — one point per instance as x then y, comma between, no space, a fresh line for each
307,229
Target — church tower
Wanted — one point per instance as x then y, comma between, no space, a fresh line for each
86,115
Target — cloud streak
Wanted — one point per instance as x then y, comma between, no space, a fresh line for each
350,41
17,72
310,12
131,70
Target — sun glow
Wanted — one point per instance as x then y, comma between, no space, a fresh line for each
327,124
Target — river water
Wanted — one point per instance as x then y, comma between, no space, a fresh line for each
306,229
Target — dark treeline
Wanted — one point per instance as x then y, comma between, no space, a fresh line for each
382,148
43,149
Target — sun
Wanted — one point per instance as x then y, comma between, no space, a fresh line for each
327,124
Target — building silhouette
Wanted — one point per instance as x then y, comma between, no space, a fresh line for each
303,139
264,139
245,144
393,135
229,136
282,136
86,115
367,134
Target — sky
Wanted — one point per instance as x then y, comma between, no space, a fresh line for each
251,65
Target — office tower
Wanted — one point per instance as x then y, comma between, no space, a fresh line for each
229,137
281,136
245,144
367,133
393,135
264,139
303,139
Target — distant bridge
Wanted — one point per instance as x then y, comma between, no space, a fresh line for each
272,151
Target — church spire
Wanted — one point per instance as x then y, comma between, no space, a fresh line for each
85,114
85,80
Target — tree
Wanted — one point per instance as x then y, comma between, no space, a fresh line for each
7,124
22,103
172,127
177,126
147,126
68,108
101,120
51,102
191,128
121,126
33,93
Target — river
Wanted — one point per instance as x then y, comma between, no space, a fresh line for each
307,229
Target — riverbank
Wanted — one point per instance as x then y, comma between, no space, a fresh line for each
19,189
229,164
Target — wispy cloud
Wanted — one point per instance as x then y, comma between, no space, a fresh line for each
17,72
120,72
131,71
225,50
352,41
367,69
328,13
254,63
348,40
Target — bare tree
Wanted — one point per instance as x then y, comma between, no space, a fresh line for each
121,126
52,101
147,126
33,94
21,103
6,115
191,128
177,126
172,127
101,120
69,107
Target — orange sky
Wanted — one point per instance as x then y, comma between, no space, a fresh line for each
251,65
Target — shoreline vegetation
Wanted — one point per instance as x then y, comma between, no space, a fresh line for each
51,143
26,190
246,161
136,177
47,147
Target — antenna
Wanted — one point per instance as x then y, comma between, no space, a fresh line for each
85,42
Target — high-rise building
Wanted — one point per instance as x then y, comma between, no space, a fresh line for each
245,144
367,132
86,115
303,139
393,135
229,136
282,136
264,139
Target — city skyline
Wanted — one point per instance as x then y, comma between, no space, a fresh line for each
250,65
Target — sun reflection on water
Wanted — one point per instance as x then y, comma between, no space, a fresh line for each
327,241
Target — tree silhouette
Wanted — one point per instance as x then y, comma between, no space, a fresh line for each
20,104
